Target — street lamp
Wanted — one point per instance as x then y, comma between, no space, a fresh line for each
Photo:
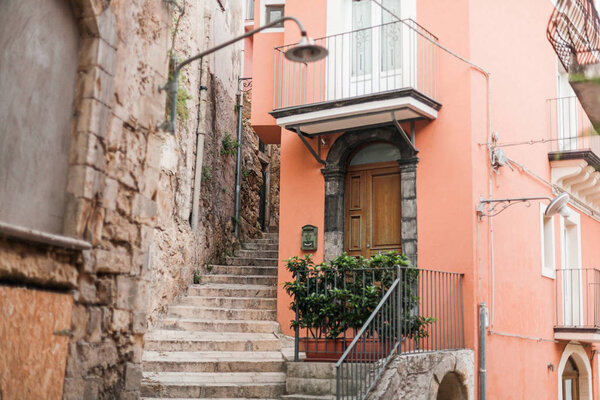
492,207
304,51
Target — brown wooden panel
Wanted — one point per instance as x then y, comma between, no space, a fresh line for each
355,192
32,356
355,233
386,211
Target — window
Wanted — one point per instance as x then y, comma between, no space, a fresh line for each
548,244
274,13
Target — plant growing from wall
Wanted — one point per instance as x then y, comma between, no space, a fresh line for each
206,173
229,146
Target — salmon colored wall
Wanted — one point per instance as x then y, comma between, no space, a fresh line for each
262,86
508,40
248,56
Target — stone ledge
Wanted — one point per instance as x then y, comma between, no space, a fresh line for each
51,239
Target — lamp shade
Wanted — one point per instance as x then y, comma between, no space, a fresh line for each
306,51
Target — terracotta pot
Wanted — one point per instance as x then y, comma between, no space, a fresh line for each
331,350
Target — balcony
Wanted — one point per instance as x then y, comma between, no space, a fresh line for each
574,32
371,77
575,151
578,305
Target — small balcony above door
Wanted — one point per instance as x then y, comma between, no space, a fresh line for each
372,76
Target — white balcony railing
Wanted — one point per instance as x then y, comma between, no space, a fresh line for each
363,62
570,127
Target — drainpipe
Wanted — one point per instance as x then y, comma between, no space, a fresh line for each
200,132
483,323
238,162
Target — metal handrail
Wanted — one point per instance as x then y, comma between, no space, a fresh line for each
577,298
438,309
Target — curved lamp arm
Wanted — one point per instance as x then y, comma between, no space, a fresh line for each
172,86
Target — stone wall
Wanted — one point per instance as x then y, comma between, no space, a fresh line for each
418,377
130,186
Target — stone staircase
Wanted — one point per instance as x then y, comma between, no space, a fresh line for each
222,340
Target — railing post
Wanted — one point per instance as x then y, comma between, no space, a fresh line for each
399,306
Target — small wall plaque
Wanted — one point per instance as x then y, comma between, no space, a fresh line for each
310,234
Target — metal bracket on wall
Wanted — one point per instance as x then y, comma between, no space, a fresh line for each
410,143
309,147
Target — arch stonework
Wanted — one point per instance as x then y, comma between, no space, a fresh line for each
334,173
578,354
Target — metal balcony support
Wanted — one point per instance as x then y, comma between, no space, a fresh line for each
309,147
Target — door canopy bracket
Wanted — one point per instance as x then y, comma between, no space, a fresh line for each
309,147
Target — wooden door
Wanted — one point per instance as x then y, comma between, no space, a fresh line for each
373,209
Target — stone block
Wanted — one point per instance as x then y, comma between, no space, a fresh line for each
105,290
84,181
120,320
107,27
88,151
109,194
114,133
87,289
147,234
79,319
154,150
149,182
97,52
133,376
115,261
127,291
89,8
92,116
96,84
143,208
139,323
94,325
124,201
73,388
91,389
130,395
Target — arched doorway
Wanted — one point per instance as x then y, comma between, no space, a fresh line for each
574,374
335,173
451,388
570,381
373,204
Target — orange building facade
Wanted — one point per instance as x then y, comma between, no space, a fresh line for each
393,141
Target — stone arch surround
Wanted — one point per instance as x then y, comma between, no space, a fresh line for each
334,173
578,354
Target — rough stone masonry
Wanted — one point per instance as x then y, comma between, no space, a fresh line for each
127,247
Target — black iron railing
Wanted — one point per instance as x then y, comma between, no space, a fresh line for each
578,298
574,31
421,312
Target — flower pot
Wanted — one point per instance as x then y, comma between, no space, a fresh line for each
331,350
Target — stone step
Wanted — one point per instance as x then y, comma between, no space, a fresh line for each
233,290
221,313
248,261
260,246
195,398
264,241
308,370
306,397
170,340
230,302
244,270
215,325
213,361
311,386
240,279
260,385
257,253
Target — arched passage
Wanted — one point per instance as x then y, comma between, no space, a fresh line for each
574,369
452,388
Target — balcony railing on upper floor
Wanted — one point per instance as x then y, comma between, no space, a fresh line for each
570,128
578,304
363,62
574,32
